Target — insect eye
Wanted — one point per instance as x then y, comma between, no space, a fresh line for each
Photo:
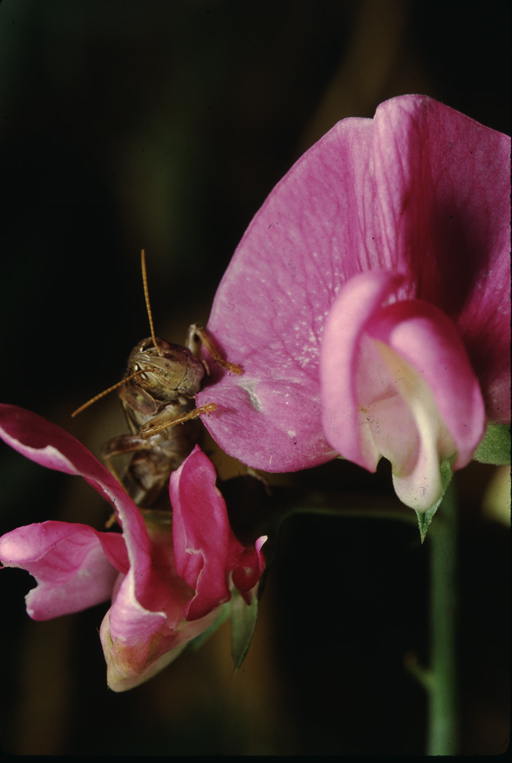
136,368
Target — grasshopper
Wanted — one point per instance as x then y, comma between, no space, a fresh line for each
157,394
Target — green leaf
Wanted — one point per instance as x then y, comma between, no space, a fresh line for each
425,517
243,623
495,447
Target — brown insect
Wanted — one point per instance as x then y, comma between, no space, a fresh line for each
157,394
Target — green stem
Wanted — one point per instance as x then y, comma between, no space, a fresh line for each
351,506
442,726
439,680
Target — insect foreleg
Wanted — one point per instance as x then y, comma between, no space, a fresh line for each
166,419
198,336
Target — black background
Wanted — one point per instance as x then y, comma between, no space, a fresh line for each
164,125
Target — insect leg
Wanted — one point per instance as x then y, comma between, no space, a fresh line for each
198,336
167,419
118,446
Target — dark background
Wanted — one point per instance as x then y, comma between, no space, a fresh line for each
164,125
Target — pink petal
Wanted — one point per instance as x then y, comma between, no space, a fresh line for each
201,534
346,322
72,563
136,653
248,565
397,382
443,184
421,190
205,547
164,593
269,310
130,664
145,626
423,336
47,444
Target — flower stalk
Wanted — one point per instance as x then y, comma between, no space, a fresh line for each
440,679
441,688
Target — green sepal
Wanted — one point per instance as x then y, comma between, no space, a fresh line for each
243,623
198,641
495,447
425,517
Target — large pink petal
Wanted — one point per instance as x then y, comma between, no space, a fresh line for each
443,189
421,190
315,230
72,564
201,534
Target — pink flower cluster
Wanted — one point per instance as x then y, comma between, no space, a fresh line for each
167,579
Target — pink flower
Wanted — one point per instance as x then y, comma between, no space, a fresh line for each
369,302
166,586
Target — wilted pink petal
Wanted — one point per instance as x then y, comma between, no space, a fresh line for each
421,192
72,564
205,548
146,617
196,556
76,567
135,654
131,664
47,444
201,533
248,565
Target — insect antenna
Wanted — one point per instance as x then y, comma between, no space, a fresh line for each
105,392
146,297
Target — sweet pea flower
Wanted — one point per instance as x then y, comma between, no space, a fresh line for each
167,579
369,303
